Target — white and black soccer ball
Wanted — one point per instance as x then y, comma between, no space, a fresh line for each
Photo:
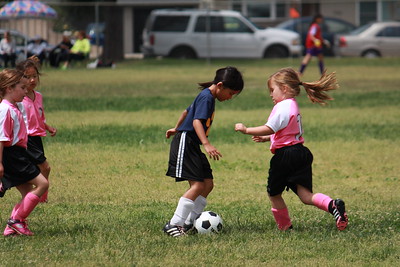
208,222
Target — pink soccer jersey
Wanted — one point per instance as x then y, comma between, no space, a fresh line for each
285,121
33,113
12,126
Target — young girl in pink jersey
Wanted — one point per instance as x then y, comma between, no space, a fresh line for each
291,165
33,111
16,168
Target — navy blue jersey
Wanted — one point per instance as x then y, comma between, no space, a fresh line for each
202,109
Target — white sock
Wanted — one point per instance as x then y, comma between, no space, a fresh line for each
199,205
185,206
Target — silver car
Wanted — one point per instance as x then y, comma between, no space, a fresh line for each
216,34
379,39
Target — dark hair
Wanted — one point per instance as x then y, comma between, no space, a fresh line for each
316,16
31,62
316,91
9,78
229,76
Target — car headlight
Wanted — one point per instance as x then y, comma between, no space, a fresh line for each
296,41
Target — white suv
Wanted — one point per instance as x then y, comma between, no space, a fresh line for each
215,34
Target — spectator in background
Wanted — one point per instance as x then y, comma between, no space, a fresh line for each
61,51
37,48
80,50
8,50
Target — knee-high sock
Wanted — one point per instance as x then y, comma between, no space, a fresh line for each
302,68
199,205
43,198
26,207
185,206
322,201
282,218
16,207
321,66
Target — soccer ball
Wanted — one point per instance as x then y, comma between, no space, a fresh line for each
208,222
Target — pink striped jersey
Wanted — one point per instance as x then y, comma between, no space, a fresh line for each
33,113
285,121
12,126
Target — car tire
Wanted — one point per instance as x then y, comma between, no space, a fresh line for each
371,54
183,52
276,51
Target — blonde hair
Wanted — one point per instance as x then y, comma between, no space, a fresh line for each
316,91
9,78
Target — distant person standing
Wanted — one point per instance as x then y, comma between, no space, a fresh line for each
8,50
314,43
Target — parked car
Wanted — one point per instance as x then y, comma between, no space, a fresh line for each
330,27
379,39
21,41
215,34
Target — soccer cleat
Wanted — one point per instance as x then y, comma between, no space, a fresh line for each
9,232
339,213
174,230
20,227
188,228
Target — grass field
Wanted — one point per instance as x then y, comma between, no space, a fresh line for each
110,198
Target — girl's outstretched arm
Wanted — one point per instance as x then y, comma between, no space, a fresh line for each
259,139
210,149
256,131
50,129
173,131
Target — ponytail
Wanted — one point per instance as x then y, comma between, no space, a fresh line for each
316,91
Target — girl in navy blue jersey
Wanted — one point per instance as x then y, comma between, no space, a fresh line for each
186,160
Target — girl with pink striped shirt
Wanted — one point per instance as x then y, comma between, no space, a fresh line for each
16,168
33,112
291,165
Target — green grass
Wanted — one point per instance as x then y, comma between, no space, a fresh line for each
109,195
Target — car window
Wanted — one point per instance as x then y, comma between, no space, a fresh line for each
170,23
216,24
303,26
390,32
233,24
361,29
337,27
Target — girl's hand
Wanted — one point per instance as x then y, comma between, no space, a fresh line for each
1,170
170,132
240,127
52,130
260,139
212,152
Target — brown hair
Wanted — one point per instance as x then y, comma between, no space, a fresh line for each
31,62
9,78
316,91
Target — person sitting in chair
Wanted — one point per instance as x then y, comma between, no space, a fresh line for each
80,50
37,48
61,51
8,50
